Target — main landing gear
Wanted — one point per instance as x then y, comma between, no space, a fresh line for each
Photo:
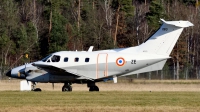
33,87
92,86
67,87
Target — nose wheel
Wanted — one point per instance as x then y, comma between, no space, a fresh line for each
67,87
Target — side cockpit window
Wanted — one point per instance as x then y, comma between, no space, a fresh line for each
55,58
45,59
48,60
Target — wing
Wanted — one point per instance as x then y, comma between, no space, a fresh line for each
59,71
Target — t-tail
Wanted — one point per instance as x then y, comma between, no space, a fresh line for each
160,44
164,40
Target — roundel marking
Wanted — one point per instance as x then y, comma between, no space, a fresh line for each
120,61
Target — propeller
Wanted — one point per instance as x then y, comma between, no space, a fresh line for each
23,71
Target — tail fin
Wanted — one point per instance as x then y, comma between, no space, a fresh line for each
163,41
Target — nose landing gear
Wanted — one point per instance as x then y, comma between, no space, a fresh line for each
33,87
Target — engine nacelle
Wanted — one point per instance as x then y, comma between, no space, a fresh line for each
18,75
21,71
17,72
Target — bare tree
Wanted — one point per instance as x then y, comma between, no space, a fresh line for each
116,26
108,14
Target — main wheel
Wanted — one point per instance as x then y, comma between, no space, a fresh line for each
91,88
94,88
67,88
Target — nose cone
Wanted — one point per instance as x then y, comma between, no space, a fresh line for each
8,73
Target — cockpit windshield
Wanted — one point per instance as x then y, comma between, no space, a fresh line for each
45,59
55,58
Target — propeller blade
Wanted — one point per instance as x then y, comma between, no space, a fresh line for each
25,70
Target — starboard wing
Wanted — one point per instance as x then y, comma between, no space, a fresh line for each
59,71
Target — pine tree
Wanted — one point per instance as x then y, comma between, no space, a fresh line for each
154,14
55,37
124,9
8,23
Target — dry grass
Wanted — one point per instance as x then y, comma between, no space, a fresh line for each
136,85
139,95
98,109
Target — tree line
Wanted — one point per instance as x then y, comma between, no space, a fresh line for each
32,29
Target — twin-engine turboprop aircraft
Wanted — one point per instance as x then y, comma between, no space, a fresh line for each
89,67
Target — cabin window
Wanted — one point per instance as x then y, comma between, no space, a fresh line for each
66,59
87,59
55,58
76,59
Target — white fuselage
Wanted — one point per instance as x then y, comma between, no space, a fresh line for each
97,65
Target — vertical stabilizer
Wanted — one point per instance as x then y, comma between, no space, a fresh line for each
163,41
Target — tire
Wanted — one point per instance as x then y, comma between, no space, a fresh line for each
37,90
66,88
91,88
96,88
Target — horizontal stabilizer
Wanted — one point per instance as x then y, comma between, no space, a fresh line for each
181,24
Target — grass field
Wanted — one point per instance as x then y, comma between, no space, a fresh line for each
112,101
140,96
